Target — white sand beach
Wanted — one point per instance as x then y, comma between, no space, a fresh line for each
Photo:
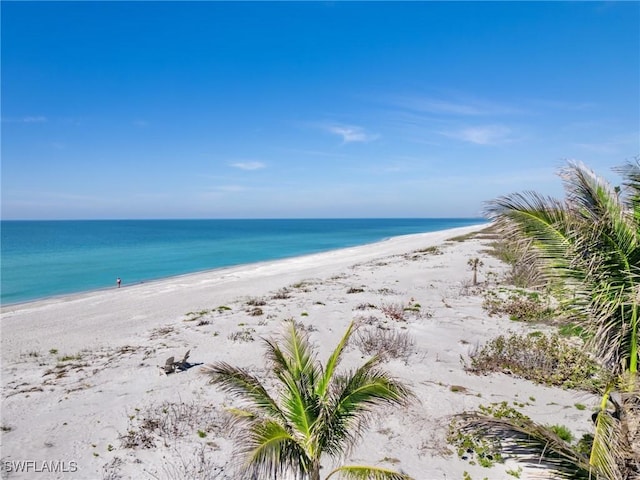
81,376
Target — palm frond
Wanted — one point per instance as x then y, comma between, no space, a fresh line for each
359,472
293,354
606,443
300,407
590,196
629,408
293,365
270,450
354,397
332,363
241,383
530,443
543,221
631,181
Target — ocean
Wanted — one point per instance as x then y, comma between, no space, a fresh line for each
41,259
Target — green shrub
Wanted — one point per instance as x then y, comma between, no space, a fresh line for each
192,316
563,432
546,359
519,305
572,330
473,445
585,444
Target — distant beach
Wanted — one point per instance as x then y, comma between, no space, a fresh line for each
42,259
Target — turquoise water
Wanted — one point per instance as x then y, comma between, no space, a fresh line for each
46,258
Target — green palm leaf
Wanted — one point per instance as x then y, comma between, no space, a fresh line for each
354,397
533,444
295,367
606,443
357,472
332,363
241,383
631,181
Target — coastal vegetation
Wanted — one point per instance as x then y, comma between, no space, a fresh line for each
548,359
586,250
316,412
386,344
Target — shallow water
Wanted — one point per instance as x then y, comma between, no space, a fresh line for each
46,258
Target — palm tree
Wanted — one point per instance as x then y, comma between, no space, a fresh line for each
316,411
590,245
475,264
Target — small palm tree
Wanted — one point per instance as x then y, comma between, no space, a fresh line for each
475,264
315,412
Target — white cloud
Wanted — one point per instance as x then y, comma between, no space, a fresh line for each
562,105
471,107
230,188
612,146
248,165
351,133
36,119
482,135
27,119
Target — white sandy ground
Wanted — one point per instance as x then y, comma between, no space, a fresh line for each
71,414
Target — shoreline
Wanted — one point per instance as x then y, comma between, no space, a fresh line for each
219,270
98,313
212,249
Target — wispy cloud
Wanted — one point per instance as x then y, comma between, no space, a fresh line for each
27,119
482,135
248,165
314,153
350,133
36,119
540,103
140,123
614,145
219,191
49,197
229,188
472,107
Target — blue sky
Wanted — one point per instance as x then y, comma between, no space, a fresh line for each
310,109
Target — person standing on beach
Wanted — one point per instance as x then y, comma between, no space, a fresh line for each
118,281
